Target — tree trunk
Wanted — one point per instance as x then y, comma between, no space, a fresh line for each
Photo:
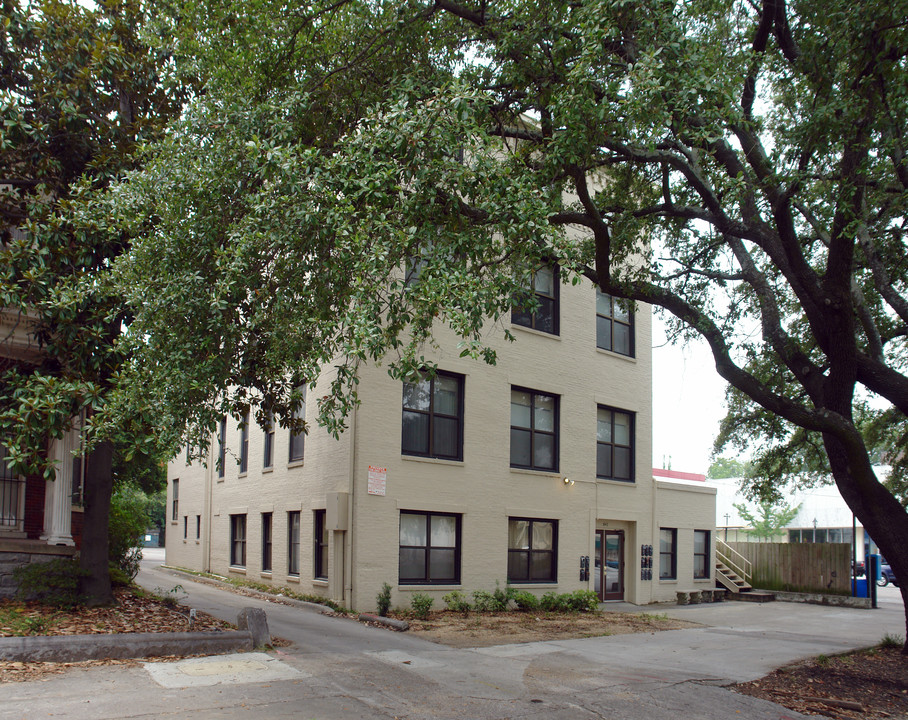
883,518
94,553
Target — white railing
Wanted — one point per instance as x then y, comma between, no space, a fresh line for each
734,560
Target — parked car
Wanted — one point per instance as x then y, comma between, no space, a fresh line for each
886,577
857,568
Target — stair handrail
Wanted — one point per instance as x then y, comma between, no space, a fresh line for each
734,560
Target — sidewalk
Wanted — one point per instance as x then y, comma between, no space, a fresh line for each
338,668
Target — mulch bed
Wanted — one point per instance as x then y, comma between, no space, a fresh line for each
131,614
869,684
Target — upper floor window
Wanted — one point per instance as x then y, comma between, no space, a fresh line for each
222,447
614,444
545,289
534,430
244,443
614,324
298,439
432,420
175,501
268,460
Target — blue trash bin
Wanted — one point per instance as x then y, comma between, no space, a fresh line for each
859,587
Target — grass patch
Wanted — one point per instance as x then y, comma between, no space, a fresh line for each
16,621
891,641
653,617
269,589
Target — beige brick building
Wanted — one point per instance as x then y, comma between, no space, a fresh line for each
529,473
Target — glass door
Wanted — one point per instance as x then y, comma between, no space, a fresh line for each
609,564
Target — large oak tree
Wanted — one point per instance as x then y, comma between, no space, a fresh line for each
738,164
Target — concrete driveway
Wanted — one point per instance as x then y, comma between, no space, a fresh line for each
338,668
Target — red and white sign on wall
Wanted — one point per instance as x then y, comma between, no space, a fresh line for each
378,478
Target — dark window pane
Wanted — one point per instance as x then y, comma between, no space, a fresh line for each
622,463
412,564
520,447
446,440
545,315
521,317
544,452
603,460
542,566
603,333
441,564
518,566
622,339
415,433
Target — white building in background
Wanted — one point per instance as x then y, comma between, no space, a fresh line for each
823,516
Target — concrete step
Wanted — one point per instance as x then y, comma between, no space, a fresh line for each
752,596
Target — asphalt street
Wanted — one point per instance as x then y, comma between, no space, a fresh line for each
339,668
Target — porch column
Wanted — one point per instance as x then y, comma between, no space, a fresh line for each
58,492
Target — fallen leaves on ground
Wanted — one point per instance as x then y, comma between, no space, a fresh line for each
869,684
131,613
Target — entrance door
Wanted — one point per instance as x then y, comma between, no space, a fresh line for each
609,566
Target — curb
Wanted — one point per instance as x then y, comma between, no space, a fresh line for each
72,648
401,625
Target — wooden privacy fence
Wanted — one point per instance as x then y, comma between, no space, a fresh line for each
799,567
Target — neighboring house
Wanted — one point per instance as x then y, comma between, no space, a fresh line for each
824,517
39,519
535,472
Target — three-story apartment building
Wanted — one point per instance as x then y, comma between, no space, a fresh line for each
533,472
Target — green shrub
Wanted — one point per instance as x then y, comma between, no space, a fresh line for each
128,521
52,583
891,641
500,598
583,601
552,602
118,576
383,600
525,600
456,602
577,601
421,604
482,601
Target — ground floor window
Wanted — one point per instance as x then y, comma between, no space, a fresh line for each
266,541
293,543
701,554
429,548
321,545
532,550
238,540
668,553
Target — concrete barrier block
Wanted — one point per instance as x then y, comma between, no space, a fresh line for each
255,621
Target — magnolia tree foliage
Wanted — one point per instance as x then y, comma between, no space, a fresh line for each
79,92
739,165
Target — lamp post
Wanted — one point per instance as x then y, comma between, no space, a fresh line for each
814,530
726,526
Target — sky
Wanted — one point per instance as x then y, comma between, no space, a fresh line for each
688,403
